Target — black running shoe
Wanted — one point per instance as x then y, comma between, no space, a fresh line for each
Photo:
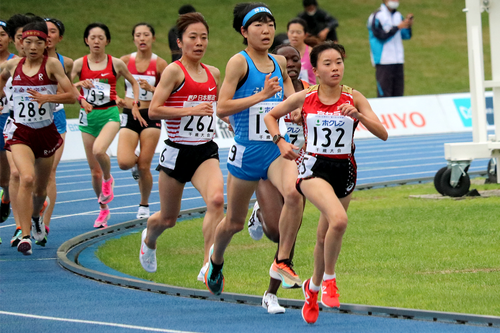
4,211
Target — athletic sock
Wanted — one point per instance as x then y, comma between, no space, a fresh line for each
143,205
27,237
36,219
328,276
312,286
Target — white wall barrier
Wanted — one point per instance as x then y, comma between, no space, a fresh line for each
411,115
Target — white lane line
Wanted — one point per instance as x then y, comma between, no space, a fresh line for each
91,322
39,259
7,225
400,167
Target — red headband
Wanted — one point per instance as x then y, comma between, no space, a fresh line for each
35,33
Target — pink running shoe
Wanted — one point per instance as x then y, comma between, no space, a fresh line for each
107,191
102,219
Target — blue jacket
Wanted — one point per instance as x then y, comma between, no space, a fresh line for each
386,39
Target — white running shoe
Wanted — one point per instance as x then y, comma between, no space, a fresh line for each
201,275
147,257
135,173
24,246
143,212
254,224
271,304
38,229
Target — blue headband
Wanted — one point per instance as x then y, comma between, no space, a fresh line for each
255,11
3,24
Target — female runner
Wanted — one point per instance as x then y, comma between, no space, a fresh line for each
265,218
56,32
327,175
146,67
5,55
296,31
255,82
99,116
33,137
15,26
185,97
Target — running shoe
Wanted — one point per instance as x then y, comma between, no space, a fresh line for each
214,280
285,273
271,304
107,194
254,224
44,240
24,246
143,212
201,275
329,294
310,310
147,257
135,173
102,219
4,209
38,228
17,237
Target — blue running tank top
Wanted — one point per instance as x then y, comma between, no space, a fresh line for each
245,129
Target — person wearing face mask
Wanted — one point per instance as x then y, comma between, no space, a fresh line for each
321,25
387,29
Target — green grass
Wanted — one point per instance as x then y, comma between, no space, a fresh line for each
401,252
436,57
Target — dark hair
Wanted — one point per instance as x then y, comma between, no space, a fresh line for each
186,20
17,21
58,24
306,3
3,25
282,46
37,25
91,26
297,20
186,9
318,49
242,9
147,25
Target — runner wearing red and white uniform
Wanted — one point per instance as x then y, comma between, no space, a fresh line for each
146,67
185,98
32,137
99,116
327,175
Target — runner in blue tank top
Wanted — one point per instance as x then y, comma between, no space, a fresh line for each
255,82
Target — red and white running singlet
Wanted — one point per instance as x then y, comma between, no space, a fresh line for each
150,75
26,110
192,130
327,131
103,95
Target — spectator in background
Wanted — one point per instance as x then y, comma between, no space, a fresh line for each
321,25
297,30
387,28
172,34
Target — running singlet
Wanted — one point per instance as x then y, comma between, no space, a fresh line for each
60,106
295,131
103,95
4,101
26,110
150,75
248,125
328,133
192,130
306,69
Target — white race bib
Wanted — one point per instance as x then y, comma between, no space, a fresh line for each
257,129
144,95
296,134
99,95
202,127
329,134
26,110
82,119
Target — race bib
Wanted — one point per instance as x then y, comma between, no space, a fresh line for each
82,119
257,130
9,129
305,167
144,95
329,134
296,134
99,95
26,110
201,127
168,156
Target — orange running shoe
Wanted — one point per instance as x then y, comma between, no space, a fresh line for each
285,273
329,294
310,310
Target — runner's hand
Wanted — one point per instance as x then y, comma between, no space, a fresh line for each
137,116
145,85
349,110
286,150
86,106
87,84
203,109
271,86
38,97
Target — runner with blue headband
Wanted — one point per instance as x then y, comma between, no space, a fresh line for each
255,82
